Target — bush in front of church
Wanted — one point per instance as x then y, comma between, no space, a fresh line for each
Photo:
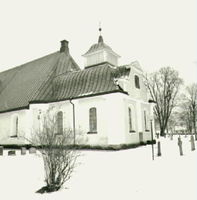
59,159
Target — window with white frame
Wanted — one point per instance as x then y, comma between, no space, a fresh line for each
92,120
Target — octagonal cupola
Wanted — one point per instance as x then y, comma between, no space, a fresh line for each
100,53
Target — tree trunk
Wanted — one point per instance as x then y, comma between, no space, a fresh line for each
194,124
162,131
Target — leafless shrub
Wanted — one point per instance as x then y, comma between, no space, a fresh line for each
58,153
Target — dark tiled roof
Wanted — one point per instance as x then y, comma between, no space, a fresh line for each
53,78
95,80
20,85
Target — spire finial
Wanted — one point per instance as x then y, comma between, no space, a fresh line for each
100,40
100,29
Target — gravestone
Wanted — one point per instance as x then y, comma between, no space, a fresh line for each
1,150
23,150
11,153
141,136
171,136
192,143
159,149
32,150
180,146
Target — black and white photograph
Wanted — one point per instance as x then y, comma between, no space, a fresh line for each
98,100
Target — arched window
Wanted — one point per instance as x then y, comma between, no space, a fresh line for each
15,123
145,121
137,82
130,120
92,120
60,122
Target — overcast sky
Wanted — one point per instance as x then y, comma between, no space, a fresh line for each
157,33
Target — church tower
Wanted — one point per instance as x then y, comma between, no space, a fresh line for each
100,53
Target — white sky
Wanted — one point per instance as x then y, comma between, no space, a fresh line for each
157,33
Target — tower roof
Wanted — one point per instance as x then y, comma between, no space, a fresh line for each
99,46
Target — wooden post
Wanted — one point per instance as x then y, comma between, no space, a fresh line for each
151,124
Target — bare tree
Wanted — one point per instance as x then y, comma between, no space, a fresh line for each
191,101
163,86
172,122
185,114
57,152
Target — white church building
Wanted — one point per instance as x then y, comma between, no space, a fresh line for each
108,103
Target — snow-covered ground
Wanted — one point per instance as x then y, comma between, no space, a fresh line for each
126,174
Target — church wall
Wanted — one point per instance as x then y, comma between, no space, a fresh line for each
82,107
146,121
147,128
112,119
131,136
115,118
8,127
82,119
50,110
139,132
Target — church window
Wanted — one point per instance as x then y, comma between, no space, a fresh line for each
130,120
145,121
60,122
137,82
15,124
92,120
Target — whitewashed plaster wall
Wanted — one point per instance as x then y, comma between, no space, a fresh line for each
112,119
6,127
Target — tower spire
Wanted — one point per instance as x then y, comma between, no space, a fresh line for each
100,40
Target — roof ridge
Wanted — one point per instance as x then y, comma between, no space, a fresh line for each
27,62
